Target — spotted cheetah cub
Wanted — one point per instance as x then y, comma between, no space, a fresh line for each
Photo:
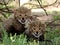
16,23
36,30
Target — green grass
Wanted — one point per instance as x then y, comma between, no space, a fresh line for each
53,35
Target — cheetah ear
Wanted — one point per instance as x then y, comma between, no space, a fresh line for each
29,10
15,10
44,25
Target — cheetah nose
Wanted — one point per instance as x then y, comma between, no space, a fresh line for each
36,32
22,18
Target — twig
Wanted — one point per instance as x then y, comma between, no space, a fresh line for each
19,3
2,4
3,14
54,25
42,7
5,10
50,23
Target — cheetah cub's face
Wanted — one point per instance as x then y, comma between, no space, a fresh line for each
36,29
22,14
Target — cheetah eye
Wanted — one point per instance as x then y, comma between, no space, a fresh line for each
33,28
40,28
20,15
25,15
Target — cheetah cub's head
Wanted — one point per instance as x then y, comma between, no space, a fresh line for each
21,14
36,29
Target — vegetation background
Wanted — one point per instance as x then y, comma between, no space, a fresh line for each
53,28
